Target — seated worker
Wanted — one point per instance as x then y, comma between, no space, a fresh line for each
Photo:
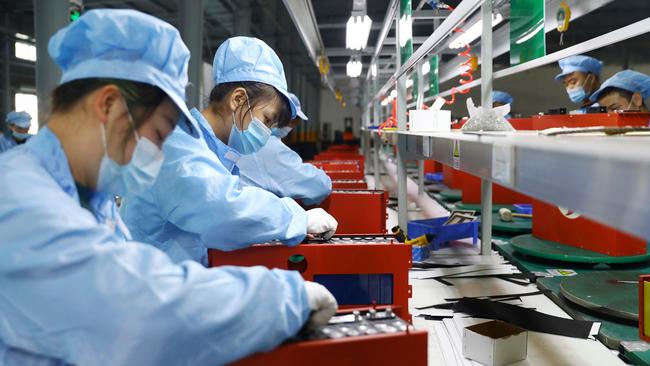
198,202
581,77
18,123
500,98
280,170
73,292
627,90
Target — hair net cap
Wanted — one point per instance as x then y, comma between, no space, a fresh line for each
250,59
501,97
630,80
20,119
124,44
294,99
579,63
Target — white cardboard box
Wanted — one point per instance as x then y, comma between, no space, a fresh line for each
495,343
429,120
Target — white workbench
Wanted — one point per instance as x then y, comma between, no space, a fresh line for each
543,349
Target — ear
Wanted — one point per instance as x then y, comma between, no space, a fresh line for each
637,100
105,98
237,99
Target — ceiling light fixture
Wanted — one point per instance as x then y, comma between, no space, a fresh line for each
354,67
357,28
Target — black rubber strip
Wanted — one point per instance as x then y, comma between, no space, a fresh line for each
449,305
525,318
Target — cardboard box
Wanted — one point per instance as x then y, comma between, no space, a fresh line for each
495,343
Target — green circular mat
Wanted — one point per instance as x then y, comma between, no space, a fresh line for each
518,225
451,194
477,207
528,244
614,293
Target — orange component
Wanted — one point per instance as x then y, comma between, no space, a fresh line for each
339,165
432,166
349,184
404,348
549,223
358,211
590,120
316,261
471,187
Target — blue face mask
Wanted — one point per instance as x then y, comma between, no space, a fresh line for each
577,94
137,175
250,140
20,136
281,132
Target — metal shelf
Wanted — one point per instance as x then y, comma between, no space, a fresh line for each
604,178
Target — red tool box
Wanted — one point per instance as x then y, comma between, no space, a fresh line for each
359,271
345,175
590,120
339,165
389,340
550,223
349,184
358,211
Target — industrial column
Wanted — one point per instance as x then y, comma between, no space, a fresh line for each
486,101
418,104
191,24
49,17
376,110
6,79
402,199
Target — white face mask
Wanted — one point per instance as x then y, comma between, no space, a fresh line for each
137,175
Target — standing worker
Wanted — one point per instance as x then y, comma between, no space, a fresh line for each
278,169
627,90
73,292
500,98
18,123
581,77
198,202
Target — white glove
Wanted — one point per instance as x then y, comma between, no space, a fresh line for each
322,303
320,222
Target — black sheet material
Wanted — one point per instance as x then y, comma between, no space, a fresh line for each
525,318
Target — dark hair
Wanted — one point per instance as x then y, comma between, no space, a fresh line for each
258,93
611,89
141,98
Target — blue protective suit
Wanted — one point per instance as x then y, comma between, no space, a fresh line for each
72,292
280,170
7,141
197,203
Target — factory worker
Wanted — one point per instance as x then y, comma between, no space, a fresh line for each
500,98
72,292
280,170
18,123
581,77
198,202
627,90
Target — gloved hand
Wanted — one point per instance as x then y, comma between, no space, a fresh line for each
319,222
322,303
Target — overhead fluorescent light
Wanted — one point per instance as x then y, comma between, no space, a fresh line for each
357,30
373,70
25,51
474,32
405,29
354,67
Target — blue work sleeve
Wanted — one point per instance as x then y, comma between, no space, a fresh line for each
199,195
280,170
71,290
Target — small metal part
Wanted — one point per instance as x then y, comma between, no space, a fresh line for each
371,331
388,313
372,314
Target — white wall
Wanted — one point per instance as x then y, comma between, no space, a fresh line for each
332,112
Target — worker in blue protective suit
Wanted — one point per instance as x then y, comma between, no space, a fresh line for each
280,170
581,78
18,123
627,90
500,98
198,202
71,291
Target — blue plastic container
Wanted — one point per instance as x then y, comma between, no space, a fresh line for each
420,253
433,177
443,234
524,208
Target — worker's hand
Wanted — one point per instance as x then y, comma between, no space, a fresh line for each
322,303
319,222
